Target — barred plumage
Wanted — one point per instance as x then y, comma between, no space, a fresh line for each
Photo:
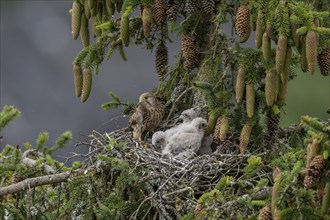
161,60
242,23
160,12
324,61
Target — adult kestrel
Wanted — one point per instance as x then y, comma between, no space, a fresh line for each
148,114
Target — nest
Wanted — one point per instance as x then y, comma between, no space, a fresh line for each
173,186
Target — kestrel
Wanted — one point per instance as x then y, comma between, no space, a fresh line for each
159,140
186,142
186,116
148,114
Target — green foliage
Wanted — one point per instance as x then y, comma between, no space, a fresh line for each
254,166
8,114
127,107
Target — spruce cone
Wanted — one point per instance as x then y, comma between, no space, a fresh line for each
224,127
190,51
250,98
309,181
124,29
282,93
78,79
266,48
281,53
271,84
208,6
324,61
311,51
161,59
146,20
287,66
240,84
295,37
84,32
160,12
273,121
265,213
87,84
270,32
216,133
259,32
198,211
87,9
317,165
75,19
191,7
303,57
242,24
16,178
245,137
172,10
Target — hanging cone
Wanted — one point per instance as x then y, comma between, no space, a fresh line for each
124,29
317,165
87,9
242,23
216,133
224,127
190,7
78,79
282,93
208,6
87,84
265,213
16,178
250,99
84,32
271,84
240,84
273,122
146,20
161,60
245,137
190,52
160,12
259,32
324,61
311,51
266,48
295,37
75,19
281,53
303,57
270,32
287,66
172,10
309,181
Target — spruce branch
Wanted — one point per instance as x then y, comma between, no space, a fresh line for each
8,114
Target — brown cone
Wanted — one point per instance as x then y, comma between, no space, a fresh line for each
191,7
208,6
242,23
287,65
160,12
16,178
240,84
271,86
311,51
190,52
281,53
78,79
87,84
75,19
317,165
324,61
265,213
250,99
266,48
172,10
245,137
259,31
146,20
273,122
216,133
309,181
161,59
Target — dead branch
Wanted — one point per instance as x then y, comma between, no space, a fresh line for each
33,182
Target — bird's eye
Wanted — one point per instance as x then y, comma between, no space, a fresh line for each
157,142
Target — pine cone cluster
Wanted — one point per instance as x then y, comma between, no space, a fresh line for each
208,6
190,51
265,213
161,60
313,171
324,61
172,10
160,12
242,24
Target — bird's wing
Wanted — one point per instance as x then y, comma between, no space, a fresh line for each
139,115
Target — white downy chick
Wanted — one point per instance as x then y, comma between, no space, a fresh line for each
186,116
159,140
186,142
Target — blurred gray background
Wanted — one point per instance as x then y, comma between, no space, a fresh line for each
36,76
